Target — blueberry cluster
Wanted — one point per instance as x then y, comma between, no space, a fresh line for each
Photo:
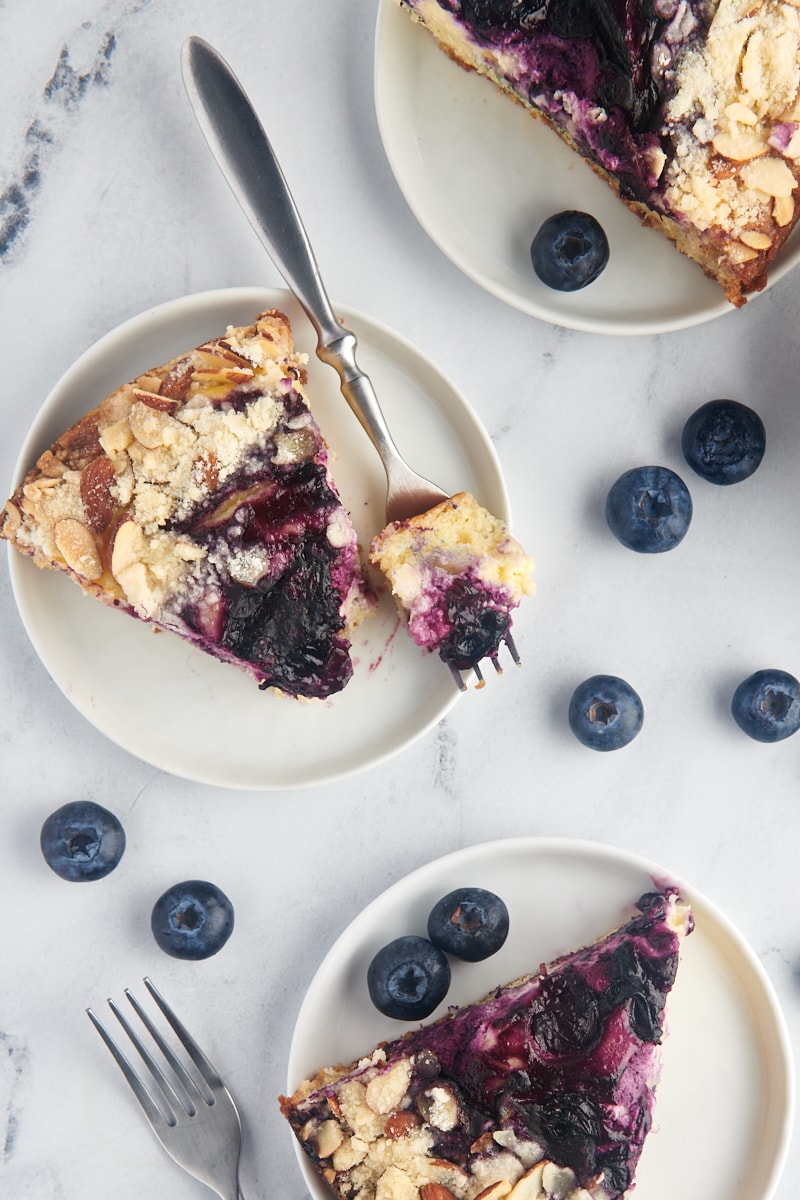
82,841
410,976
649,510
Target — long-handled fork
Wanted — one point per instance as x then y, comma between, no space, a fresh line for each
192,1112
246,158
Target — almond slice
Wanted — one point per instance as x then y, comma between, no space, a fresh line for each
495,1191
755,240
782,210
351,1152
435,1191
77,546
98,503
128,547
328,1138
150,425
154,400
741,113
400,1123
739,253
739,147
529,1186
140,589
116,437
770,175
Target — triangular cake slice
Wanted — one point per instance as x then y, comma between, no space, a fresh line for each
199,498
690,109
543,1090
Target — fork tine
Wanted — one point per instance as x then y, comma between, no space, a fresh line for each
205,1067
457,677
170,1095
152,1110
177,1066
494,659
512,649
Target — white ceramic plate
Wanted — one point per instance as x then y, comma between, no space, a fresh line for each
725,1102
176,707
481,175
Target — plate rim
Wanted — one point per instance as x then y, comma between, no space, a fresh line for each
579,848
387,11
138,324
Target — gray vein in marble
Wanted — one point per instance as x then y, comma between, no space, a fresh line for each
83,64
13,1060
446,757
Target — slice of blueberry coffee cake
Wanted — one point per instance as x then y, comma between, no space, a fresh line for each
456,574
543,1090
690,109
199,498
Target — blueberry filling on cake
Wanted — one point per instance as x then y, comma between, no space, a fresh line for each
610,56
278,591
690,109
598,68
545,1087
477,623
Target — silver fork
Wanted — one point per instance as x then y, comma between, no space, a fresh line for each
243,152
193,1115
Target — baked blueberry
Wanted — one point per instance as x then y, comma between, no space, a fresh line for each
469,923
649,509
766,705
569,251
605,713
724,441
82,841
192,920
408,978
565,1015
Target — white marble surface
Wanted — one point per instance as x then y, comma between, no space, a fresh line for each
109,204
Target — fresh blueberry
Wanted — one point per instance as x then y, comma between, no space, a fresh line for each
649,509
469,923
192,920
569,251
82,841
408,978
766,705
605,713
724,441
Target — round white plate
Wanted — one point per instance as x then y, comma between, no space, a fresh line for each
725,1102
178,708
481,175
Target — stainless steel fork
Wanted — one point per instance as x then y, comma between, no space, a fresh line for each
191,1112
245,156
